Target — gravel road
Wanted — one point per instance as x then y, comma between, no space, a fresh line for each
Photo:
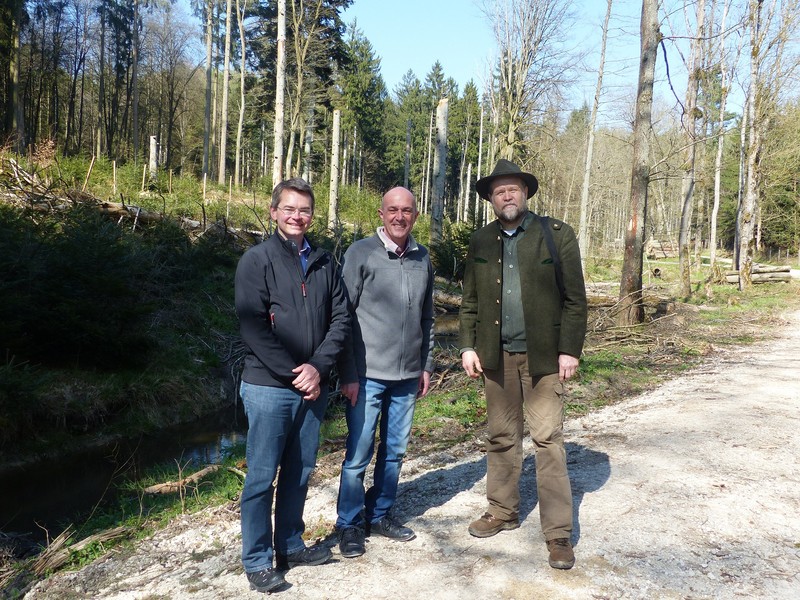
689,491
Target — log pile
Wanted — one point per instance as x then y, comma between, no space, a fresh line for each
763,274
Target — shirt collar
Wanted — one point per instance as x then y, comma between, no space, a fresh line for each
411,243
304,249
526,221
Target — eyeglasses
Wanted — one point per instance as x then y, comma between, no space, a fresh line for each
291,211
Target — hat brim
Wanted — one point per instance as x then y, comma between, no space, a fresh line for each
484,186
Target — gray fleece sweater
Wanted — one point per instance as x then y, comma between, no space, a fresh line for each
392,303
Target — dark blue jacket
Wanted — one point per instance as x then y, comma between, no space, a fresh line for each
287,318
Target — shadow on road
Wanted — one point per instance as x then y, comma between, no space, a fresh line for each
588,470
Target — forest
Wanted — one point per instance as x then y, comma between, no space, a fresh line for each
241,92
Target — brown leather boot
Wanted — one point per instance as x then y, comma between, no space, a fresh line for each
489,525
561,554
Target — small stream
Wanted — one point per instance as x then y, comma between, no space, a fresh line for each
43,497
47,495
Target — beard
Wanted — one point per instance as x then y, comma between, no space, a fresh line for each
510,213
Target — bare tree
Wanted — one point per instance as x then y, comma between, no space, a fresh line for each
135,77
770,33
280,85
583,233
724,92
439,164
306,25
630,288
532,63
333,198
226,75
689,122
209,14
478,198
241,7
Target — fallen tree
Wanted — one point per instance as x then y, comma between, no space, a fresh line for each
763,274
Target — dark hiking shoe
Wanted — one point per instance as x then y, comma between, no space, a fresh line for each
265,580
351,542
308,557
388,528
561,554
489,525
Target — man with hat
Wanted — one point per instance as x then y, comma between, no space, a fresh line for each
522,326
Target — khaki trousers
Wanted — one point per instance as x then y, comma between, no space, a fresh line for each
510,393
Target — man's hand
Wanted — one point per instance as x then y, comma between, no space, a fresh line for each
471,363
350,391
567,366
307,381
424,384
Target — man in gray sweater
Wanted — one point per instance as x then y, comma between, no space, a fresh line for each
389,280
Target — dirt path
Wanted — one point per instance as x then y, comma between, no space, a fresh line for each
690,491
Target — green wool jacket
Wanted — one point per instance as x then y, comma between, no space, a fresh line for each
550,328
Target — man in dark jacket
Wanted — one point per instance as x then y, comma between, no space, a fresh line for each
294,321
522,325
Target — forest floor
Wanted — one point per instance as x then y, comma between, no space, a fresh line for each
690,490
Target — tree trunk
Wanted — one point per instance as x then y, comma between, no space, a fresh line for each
467,186
439,164
135,76
241,7
407,164
333,198
307,147
280,86
583,234
207,111
712,241
631,283
478,198
226,75
426,180
101,94
689,122
153,163
17,114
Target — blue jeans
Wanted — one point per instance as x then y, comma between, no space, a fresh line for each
393,403
283,431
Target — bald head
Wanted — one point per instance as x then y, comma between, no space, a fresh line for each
399,213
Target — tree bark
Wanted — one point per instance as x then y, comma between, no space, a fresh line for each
135,77
241,7
207,110
226,75
439,164
280,85
333,198
631,309
689,122
583,233
712,240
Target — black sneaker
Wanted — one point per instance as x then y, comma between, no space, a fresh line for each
351,542
388,528
310,556
265,580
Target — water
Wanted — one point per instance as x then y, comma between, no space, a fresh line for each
40,499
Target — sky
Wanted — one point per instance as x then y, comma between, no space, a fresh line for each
413,34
